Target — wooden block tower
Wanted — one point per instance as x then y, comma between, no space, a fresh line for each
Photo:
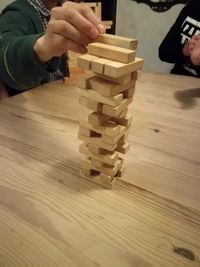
107,88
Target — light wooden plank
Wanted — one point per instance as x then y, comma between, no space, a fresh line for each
108,88
108,128
102,179
117,41
97,119
85,131
117,69
114,140
95,96
102,167
126,121
84,61
123,148
111,52
119,80
115,111
97,141
129,92
83,80
105,157
97,65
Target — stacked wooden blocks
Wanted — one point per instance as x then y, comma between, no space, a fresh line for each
107,88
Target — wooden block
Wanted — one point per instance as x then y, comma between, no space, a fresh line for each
90,104
96,8
96,149
136,75
122,114
86,172
84,61
102,180
90,72
94,105
111,52
106,178
107,24
119,80
97,118
123,139
120,163
120,173
107,157
97,65
108,128
108,88
126,121
85,131
99,10
83,149
105,168
115,111
129,92
123,149
103,87
88,132
91,5
95,96
117,69
114,140
117,41
97,166
97,163
97,141
83,80
86,164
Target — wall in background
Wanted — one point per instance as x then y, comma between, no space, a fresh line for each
3,3
149,27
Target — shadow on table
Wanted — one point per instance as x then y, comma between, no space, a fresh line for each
67,175
188,98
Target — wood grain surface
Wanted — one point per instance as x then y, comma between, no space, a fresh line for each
49,216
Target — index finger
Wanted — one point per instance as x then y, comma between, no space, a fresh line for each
90,15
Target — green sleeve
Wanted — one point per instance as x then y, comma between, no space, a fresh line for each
19,66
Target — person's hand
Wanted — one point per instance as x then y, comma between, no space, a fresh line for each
188,48
71,27
195,54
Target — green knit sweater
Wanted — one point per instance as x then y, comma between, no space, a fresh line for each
20,26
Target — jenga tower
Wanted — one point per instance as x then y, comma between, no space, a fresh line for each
107,88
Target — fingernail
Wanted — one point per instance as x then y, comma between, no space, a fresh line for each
93,33
101,28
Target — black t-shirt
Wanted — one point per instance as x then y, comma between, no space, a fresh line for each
186,25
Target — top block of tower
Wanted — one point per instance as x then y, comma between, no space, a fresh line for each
117,41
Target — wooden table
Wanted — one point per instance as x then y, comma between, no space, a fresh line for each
49,216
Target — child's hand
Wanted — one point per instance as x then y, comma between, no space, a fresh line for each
188,48
195,54
71,27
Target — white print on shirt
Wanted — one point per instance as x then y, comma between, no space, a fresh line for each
189,28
